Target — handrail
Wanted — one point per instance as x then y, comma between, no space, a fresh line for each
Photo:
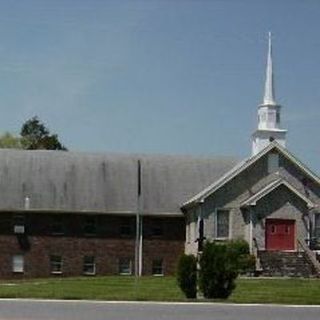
310,256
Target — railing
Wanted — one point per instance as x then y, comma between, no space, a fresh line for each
310,255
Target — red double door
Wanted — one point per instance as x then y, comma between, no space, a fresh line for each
280,234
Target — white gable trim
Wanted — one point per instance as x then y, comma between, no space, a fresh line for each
243,166
252,201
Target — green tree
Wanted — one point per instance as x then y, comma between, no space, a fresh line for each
10,141
36,135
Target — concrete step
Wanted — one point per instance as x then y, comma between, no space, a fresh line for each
292,264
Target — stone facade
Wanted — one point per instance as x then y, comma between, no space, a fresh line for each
248,222
109,240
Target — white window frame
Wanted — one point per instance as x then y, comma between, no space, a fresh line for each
216,224
18,263
157,274
56,263
89,264
126,273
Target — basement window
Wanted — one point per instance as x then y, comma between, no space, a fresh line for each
18,263
157,267
55,264
125,266
89,265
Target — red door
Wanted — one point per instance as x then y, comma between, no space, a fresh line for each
280,234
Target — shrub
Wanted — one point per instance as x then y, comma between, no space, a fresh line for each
218,270
245,261
187,275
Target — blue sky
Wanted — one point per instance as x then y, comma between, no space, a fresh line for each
177,77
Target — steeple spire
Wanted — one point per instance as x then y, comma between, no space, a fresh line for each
269,89
269,127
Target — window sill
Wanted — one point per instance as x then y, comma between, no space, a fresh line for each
125,274
56,272
221,239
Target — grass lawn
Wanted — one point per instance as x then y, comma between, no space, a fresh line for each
287,291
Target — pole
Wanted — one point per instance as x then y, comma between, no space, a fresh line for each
138,241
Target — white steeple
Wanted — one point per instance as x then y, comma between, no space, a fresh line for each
268,113
269,89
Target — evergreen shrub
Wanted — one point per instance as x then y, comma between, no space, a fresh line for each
187,275
220,264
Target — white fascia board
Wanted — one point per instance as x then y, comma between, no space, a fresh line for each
244,165
252,201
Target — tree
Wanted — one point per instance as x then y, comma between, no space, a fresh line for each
36,135
10,141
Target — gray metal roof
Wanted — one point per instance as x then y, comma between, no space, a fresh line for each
71,181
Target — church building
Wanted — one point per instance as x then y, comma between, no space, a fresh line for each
70,214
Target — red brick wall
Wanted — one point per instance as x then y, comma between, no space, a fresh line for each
107,246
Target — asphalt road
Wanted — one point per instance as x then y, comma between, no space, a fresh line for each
82,310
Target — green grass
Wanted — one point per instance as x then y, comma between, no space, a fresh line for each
285,291
97,288
281,290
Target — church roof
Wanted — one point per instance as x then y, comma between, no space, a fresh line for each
241,166
105,183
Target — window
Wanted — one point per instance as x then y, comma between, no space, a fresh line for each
273,162
90,226
57,227
157,228
222,224
55,264
126,227
278,116
125,266
157,267
89,266
317,225
18,263
19,223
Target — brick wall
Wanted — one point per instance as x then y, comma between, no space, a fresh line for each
108,245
